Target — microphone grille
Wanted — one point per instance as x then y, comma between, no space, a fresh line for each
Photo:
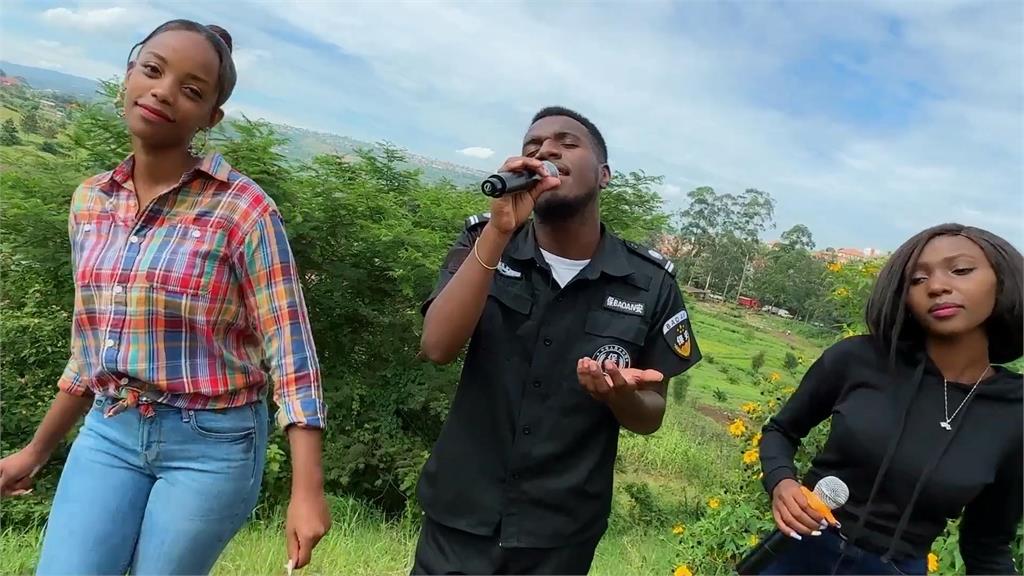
832,491
552,169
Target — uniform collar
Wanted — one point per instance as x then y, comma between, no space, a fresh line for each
610,256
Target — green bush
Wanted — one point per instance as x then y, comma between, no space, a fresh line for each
680,387
790,362
757,362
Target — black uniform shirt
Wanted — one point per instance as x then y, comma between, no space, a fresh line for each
526,453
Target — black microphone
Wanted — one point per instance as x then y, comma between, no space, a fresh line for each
830,491
502,183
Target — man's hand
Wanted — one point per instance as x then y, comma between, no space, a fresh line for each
613,382
508,212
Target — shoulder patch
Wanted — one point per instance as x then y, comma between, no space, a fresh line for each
477,220
653,256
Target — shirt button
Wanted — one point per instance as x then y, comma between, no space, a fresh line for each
124,381
87,227
110,342
196,234
134,239
547,341
536,383
118,289
559,298
526,430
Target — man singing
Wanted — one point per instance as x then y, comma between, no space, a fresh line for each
572,333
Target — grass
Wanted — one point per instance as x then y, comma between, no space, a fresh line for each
729,337
660,480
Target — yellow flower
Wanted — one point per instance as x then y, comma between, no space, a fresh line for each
750,408
775,377
737,428
933,563
678,529
714,503
753,540
756,440
788,390
834,266
841,292
750,456
772,405
848,332
682,571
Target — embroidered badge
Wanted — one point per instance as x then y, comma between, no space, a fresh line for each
505,270
677,333
612,353
634,308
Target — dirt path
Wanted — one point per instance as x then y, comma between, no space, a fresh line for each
715,413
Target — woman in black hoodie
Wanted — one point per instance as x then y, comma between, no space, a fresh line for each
925,426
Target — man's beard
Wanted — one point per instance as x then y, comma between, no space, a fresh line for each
552,208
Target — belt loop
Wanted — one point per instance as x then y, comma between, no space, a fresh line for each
186,415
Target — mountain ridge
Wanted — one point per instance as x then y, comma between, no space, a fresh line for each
303,143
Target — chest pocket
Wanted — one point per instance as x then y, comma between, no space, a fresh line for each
187,259
614,336
507,310
91,240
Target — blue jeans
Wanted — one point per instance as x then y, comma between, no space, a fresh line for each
820,555
158,495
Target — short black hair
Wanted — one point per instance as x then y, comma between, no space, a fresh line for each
887,315
595,134
216,36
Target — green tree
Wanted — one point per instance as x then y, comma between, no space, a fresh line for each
252,147
722,232
9,134
30,121
798,237
632,208
99,137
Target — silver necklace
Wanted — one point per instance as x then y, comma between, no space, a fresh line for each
945,399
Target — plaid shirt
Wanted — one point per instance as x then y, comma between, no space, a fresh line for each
196,303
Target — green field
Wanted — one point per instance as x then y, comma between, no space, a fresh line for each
677,468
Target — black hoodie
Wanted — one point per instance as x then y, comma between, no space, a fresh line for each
906,472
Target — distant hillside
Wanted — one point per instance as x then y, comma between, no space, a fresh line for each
303,144
42,79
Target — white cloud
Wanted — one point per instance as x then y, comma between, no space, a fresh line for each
91,19
731,96
477,152
248,59
669,191
55,55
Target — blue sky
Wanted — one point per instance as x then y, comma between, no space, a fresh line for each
867,121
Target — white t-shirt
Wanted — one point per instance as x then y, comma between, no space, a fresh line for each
563,269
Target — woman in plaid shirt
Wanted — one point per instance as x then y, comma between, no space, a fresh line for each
188,309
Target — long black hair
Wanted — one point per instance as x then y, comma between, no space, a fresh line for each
216,36
891,324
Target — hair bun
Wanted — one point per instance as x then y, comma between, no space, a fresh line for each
222,33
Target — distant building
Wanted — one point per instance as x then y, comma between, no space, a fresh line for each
844,255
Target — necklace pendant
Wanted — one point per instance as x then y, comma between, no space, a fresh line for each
945,425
